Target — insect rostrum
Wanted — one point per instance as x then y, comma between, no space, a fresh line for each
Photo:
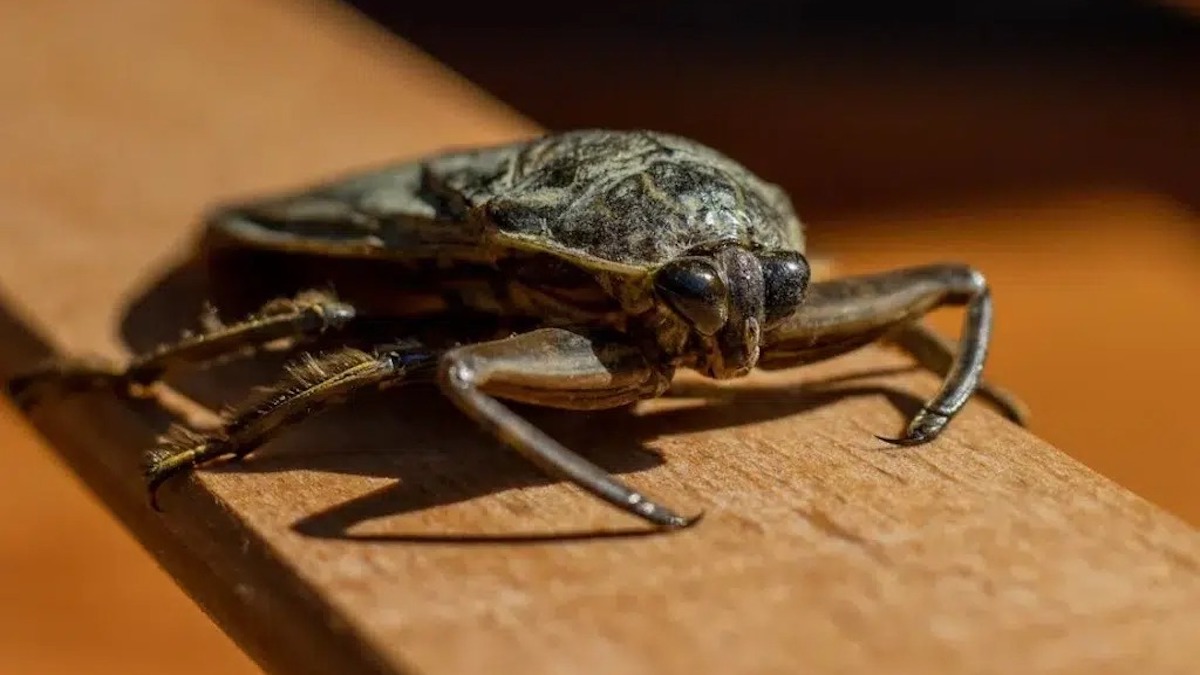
578,270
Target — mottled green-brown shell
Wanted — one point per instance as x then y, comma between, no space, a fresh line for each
625,200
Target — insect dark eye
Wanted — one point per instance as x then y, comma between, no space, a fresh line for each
694,289
785,278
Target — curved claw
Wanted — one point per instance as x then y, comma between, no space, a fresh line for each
925,426
684,522
152,494
179,451
662,516
157,473
901,441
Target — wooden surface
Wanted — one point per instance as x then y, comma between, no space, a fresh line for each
78,594
987,552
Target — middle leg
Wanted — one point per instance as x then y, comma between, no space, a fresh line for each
563,369
294,320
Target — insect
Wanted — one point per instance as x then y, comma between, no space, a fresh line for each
578,270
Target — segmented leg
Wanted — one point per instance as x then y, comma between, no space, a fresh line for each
310,385
563,369
936,353
306,316
844,314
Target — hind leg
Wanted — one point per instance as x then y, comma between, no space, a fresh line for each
311,385
295,320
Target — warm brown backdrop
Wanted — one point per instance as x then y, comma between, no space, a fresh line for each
1097,306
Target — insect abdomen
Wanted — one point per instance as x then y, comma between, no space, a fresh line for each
505,283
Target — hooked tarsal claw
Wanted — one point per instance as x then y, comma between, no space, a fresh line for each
152,497
664,517
924,427
155,476
901,441
684,522
178,451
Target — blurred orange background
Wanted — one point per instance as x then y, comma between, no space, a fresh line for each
1057,154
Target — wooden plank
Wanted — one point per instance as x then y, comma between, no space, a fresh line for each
362,543
79,593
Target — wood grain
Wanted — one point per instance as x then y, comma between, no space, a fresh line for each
79,594
395,538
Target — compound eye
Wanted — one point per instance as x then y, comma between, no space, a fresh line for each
785,279
695,290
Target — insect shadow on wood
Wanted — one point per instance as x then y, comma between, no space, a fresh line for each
577,271
419,441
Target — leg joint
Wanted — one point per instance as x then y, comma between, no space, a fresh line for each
964,282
